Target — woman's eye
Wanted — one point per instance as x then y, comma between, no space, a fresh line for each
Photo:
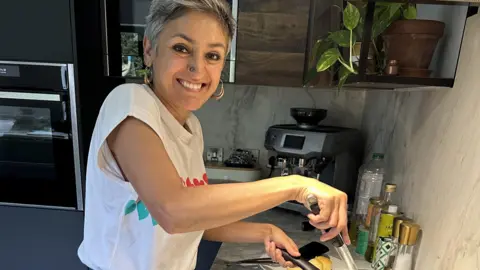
213,56
180,49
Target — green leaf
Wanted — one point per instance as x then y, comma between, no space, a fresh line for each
410,13
342,38
343,74
351,16
319,48
327,59
393,8
381,23
310,75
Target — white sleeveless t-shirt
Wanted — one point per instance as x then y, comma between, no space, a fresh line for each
119,232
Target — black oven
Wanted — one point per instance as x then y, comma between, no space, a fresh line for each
123,26
39,143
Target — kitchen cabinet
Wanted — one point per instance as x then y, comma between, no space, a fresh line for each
36,31
42,239
274,39
424,45
123,26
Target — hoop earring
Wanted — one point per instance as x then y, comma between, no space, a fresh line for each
220,94
147,77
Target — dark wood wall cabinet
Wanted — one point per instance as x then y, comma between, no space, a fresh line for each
408,52
271,44
276,43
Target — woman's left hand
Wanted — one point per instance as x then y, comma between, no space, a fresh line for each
278,239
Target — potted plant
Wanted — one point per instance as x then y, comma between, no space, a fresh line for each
327,50
406,39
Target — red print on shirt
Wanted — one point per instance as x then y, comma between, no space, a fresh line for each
196,182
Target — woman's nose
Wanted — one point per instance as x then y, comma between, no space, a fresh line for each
195,65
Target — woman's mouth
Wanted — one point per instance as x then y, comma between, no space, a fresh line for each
191,86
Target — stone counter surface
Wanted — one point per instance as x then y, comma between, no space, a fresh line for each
290,222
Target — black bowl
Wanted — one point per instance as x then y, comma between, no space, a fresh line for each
308,116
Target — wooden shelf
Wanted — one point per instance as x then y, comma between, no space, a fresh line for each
395,82
428,2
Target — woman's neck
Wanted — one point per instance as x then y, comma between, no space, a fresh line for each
180,114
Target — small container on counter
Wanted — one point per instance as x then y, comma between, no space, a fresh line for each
395,236
373,201
362,240
391,68
384,245
372,233
375,220
408,238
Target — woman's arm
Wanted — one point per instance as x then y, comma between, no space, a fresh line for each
240,232
145,163
247,232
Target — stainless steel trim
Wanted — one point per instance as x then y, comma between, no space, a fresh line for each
32,63
64,110
233,50
38,206
63,72
133,25
29,96
105,23
75,136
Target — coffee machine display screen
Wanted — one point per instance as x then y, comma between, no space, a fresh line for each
293,142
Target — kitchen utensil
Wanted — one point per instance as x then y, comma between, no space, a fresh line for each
308,252
337,241
307,116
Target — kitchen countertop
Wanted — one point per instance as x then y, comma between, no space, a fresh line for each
288,221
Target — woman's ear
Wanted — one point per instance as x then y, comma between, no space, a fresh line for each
148,52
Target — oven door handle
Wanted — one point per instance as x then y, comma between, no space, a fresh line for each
30,96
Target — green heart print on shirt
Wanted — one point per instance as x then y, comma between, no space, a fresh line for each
141,210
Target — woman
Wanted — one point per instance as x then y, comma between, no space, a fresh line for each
148,204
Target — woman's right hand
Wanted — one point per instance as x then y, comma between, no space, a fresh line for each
332,203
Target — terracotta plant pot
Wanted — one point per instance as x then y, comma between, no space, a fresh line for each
412,42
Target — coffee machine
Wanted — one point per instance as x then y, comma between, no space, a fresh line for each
330,154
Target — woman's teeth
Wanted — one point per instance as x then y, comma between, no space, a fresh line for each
192,86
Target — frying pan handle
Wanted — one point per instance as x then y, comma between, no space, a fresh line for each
298,261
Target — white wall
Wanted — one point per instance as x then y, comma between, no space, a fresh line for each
432,145
241,118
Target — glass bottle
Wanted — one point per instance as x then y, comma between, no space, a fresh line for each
408,238
375,219
370,181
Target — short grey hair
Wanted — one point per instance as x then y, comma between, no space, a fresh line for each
163,11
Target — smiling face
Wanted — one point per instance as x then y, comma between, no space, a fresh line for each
188,60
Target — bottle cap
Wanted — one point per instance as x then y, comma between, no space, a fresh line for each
392,209
396,225
375,200
409,233
390,187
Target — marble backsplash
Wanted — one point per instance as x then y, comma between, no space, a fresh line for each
241,118
432,144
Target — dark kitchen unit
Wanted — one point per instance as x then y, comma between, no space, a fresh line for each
41,154
41,198
39,139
